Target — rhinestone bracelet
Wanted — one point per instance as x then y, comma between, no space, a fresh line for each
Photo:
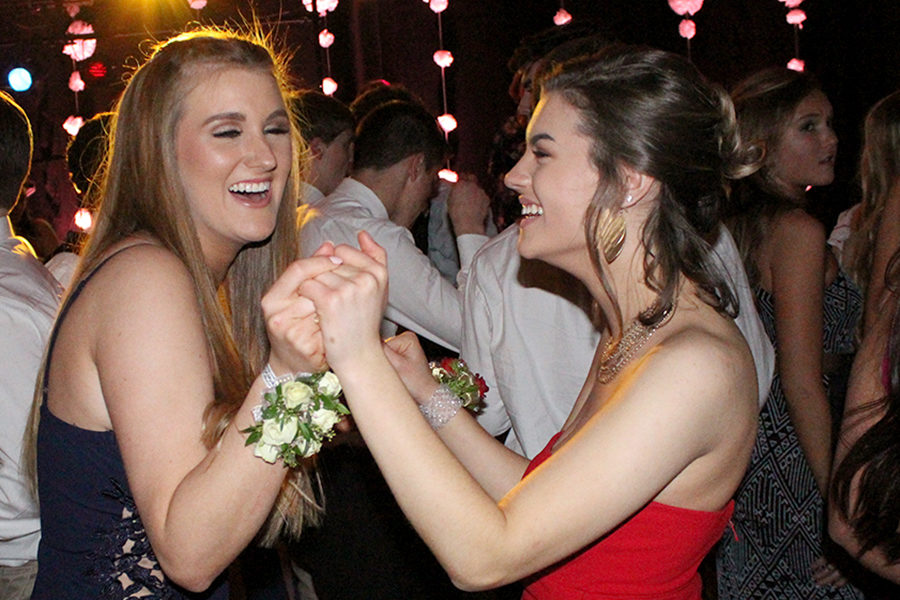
441,407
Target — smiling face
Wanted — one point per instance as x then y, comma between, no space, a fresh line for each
556,181
805,152
233,150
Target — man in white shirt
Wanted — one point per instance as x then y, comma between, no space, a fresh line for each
397,152
527,331
326,124
29,297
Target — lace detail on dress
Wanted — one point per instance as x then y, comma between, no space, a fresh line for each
124,563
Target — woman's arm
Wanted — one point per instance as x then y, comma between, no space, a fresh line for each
200,506
494,466
864,388
797,266
641,445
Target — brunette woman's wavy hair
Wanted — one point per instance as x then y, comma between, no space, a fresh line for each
140,190
764,103
875,457
654,112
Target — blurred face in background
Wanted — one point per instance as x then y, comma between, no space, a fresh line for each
805,153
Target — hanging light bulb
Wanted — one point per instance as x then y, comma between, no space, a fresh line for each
796,17
83,48
792,3
323,7
443,58
447,122
197,4
438,6
562,17
795,64
687,29
686,7
448,175
83,219
329,86
326,38
76,83
72,124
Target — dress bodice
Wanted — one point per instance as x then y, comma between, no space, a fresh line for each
843,307
653,554
93,542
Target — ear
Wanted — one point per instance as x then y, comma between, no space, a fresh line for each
317,147
638,186
415,166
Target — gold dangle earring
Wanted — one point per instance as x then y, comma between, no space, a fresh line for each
611,232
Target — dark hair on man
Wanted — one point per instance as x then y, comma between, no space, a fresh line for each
394,131
15,150
378,92
87,150
321,116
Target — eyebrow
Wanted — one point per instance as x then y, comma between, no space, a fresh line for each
540,136
238,116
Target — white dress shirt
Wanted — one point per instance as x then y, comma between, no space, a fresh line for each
419,298
29,298
534,345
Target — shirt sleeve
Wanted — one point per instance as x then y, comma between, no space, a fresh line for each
476,351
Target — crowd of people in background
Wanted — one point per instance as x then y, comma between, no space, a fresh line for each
693,386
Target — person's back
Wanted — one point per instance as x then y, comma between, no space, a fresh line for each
29,296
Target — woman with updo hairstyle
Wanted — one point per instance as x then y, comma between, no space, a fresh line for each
621,186
810,310
186,290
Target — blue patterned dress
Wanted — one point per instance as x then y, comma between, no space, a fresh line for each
779,514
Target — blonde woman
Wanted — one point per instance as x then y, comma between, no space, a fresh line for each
146,486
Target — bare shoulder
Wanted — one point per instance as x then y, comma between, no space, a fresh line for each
142,291
705,363
796,227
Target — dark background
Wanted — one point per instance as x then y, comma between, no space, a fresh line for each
852,46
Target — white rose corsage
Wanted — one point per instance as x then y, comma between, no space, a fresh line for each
297,414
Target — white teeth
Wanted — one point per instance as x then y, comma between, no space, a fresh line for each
250,188
530,210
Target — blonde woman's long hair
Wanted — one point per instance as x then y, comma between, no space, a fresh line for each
879,173
140,191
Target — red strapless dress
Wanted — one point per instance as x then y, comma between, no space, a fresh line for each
654,554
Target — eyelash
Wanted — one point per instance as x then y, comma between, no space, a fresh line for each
539,153
233,133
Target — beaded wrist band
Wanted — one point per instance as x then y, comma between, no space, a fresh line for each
441,407
271,380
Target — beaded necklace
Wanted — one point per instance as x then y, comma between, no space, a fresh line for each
616,355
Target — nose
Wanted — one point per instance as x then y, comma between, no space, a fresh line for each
260,154
517,178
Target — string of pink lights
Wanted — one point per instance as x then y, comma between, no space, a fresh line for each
688,29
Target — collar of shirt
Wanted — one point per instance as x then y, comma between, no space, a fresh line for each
361,194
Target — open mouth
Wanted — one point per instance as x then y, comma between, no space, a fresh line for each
252,192
532,210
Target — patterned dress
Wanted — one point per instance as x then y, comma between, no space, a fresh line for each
779,515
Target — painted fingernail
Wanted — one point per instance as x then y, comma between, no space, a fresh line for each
336,260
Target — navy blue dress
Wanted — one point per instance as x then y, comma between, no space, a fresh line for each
93,543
